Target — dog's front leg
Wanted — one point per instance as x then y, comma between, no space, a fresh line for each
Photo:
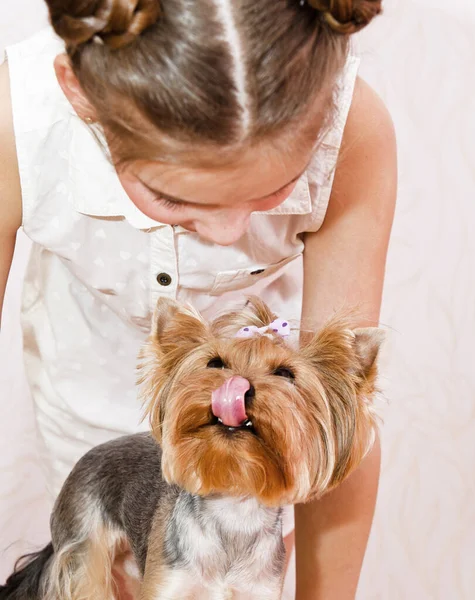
165,583
219,594
275,594
162,580
268,591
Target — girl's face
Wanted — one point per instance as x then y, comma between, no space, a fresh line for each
215,203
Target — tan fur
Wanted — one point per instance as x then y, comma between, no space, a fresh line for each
83,571
312,432
155,573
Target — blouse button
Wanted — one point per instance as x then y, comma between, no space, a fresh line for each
164,279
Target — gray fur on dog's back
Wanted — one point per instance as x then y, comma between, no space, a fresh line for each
124,477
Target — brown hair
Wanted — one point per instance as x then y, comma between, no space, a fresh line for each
224,74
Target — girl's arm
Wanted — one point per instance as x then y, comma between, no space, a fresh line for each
344,264
10,194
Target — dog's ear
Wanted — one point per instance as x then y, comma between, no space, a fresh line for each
176,325
367,344
338,349
345,361
176,331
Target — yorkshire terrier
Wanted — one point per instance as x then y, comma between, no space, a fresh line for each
242,424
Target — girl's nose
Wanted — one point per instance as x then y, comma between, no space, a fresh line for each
226,230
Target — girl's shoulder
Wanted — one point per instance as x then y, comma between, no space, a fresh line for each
37,99
365,181
43,119
10,194
324,162
41,42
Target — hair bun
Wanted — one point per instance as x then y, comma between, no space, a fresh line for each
115,23
347,16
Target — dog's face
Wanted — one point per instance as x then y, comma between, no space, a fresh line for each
253,416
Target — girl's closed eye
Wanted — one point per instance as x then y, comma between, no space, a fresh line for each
174,205
167,203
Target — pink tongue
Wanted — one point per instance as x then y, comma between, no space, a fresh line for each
227,402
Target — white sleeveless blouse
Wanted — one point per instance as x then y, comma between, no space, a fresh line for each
98,265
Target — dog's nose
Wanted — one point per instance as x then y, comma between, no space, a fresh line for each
249,395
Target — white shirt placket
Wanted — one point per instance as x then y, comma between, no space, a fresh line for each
163,265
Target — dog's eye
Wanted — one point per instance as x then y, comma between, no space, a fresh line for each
216,363
284,372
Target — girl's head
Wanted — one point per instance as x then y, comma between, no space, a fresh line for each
217,103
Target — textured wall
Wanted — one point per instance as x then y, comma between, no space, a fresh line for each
419,57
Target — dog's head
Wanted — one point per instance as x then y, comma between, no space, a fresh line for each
251,415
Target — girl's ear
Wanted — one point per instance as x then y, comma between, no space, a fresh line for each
72,88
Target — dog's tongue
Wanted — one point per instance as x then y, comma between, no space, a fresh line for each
227,402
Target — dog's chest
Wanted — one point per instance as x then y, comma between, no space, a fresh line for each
232,560
229,547
215,573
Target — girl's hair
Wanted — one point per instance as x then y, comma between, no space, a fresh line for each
171,74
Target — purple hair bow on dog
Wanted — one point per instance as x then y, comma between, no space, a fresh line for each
279,326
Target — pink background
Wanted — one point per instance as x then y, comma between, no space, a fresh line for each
419,57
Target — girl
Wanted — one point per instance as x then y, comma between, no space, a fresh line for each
204,151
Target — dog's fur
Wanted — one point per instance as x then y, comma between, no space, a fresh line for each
201,509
